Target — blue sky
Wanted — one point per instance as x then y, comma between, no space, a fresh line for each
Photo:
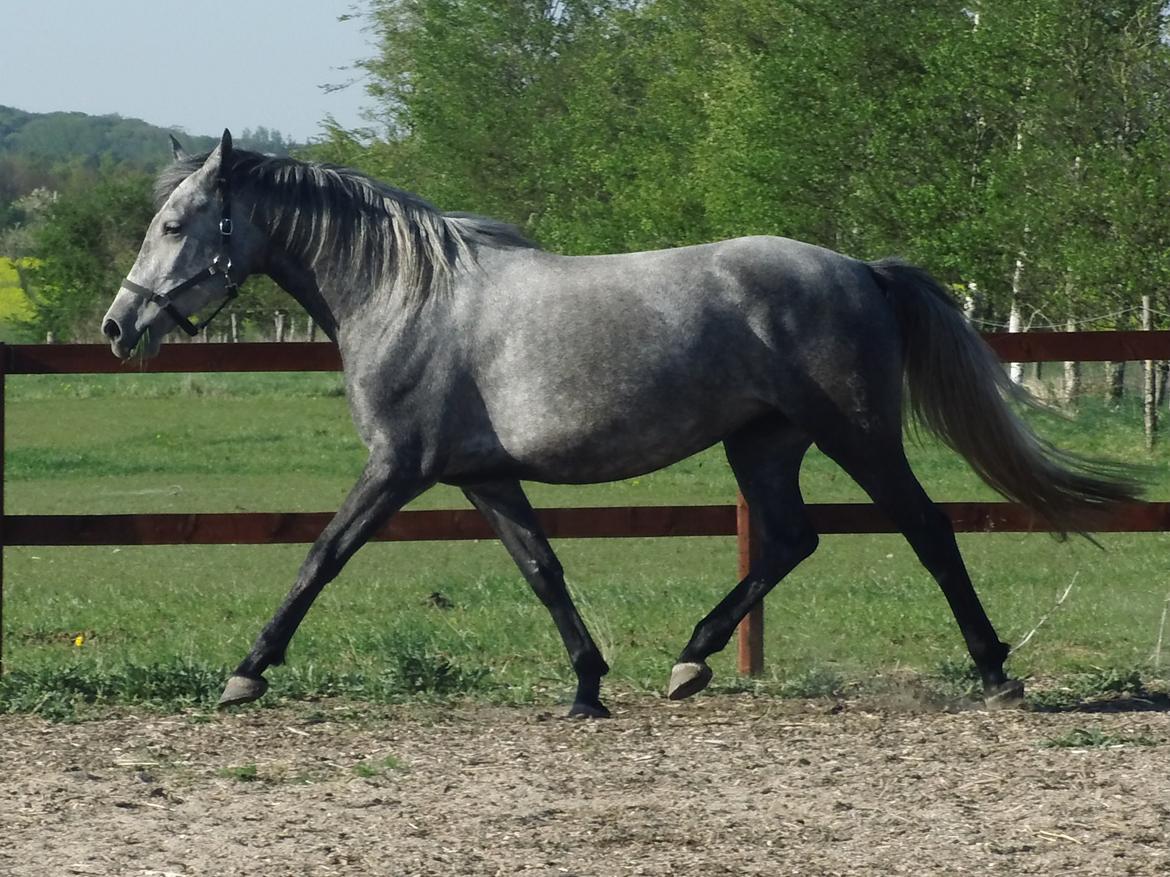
199,66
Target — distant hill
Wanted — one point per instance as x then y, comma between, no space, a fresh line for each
66,152
66,138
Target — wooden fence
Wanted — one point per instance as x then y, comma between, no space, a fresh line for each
257,528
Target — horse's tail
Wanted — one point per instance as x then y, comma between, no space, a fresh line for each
960,391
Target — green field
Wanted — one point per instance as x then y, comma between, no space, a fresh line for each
15,309
164,625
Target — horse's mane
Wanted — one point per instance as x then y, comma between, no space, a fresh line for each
386,233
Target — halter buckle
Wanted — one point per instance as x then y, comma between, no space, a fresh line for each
225,227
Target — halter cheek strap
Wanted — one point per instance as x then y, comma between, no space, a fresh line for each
221,265
165,299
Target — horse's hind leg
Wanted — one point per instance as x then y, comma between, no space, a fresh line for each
508,511
881,468
765,457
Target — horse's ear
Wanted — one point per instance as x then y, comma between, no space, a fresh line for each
225,155
177,150
213,168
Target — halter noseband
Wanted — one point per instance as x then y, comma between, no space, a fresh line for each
221,265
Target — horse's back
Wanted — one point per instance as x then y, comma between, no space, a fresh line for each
600,367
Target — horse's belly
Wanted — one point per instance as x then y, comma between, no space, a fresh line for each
558,448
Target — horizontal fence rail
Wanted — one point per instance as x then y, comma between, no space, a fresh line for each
461,525
258,528
254,528
317,356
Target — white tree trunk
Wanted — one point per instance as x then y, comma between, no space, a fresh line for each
1015,369
1114,382
971,301
1149,382
1072,374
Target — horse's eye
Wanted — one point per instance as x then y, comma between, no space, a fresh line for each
171,227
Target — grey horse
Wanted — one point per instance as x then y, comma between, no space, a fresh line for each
473,357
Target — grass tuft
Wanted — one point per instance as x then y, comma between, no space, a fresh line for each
375,767
1096,684
244,773
813,683
1094,738
954,679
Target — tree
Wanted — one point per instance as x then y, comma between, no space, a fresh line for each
1017,148
83,248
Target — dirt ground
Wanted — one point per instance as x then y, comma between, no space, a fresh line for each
718,785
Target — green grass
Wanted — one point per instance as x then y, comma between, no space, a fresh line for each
15,309
244,773
377,767
162,626
1094,738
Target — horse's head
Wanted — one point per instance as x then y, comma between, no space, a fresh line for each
197,250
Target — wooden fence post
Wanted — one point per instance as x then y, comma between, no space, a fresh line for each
751,629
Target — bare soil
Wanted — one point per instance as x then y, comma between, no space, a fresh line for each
718,785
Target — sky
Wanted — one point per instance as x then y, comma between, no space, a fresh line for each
202,67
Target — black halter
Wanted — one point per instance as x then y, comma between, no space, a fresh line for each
221,265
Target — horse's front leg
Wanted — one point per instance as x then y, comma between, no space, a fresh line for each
386,484
507,509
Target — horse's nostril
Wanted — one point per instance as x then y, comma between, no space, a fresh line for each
112,330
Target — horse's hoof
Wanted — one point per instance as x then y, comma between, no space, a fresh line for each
242,689
1004,696
687,679
581,710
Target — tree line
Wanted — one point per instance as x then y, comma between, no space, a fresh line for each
74,203
1019,150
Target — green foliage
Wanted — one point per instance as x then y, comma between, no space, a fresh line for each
74,192
1018,147
84,246
15,309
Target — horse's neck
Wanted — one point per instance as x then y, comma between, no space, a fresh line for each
300,281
